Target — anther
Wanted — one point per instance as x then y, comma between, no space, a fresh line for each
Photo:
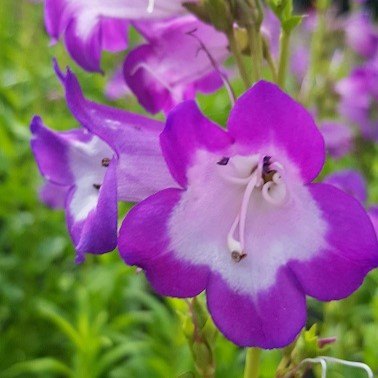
97,186
238,256
223,161
105,162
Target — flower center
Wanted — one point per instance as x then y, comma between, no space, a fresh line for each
256,174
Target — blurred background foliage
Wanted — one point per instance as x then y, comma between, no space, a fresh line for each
101,319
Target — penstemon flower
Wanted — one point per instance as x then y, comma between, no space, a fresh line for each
173,65
247,224
89,27
115,156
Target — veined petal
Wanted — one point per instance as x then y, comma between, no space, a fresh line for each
144,241
92,215
141,169
350,252
265,116
186,132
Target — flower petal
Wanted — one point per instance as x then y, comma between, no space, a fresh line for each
142,170
265,116
144,241
92,215
350,181
339,268
53,195
51,150
270,320
187,131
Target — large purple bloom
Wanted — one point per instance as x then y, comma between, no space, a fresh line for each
116,156
92,26
359,99
172,66
247,224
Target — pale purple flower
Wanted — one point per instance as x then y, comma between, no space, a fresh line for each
115,156
248,225
362,34
89,27
172,66
350,181
338,138
359,99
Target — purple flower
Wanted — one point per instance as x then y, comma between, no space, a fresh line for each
89,27
350,181
359,99
116,156
247,225
362,35
338,138
172,66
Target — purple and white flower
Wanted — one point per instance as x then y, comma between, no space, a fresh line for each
116,156
172,66
247,224
89,27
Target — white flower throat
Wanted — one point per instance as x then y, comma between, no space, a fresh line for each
253,173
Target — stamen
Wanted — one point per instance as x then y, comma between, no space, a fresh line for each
273,190
97,186
105,162
151,6
223,161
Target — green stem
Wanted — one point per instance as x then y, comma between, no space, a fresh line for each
238,58
252,363
269,59
284,57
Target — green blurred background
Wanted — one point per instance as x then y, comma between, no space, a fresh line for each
101,319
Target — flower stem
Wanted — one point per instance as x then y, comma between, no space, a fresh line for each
252,363
284,57
238,58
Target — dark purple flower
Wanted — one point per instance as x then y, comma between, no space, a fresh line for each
359,99
362,34
338,138
115,156
172,66
89,27
247,225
